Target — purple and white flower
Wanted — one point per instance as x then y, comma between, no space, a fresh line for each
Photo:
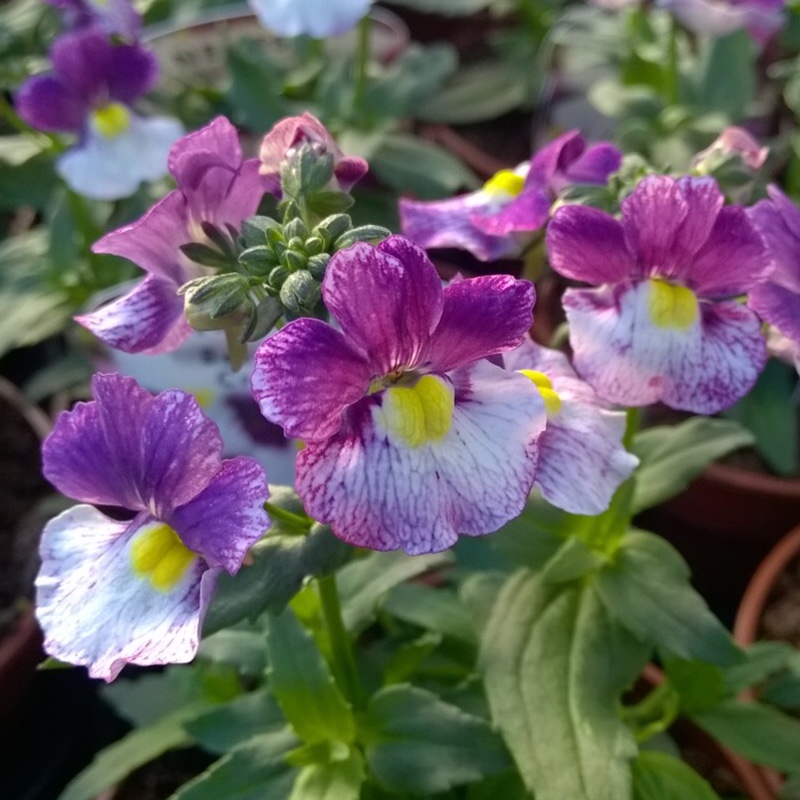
317,18
499,219
113,592
114,17
412,436
777,300
215,185
663,324
582,460
90,93
714,18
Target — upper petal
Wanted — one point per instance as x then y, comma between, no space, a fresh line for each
132,71
317,18
595,164
387,299
779,306
216,144
44,102
527,213
778,222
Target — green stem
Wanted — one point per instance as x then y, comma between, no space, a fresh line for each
671,85
289,517
344,662
632,418
362,63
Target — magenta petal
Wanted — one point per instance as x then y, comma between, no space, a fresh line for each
481,317
215,144
778,306
778,222
305,376
553,158
587,244
788,210
526,213
387,299
227,518
93,452
595,164
48,105
181,451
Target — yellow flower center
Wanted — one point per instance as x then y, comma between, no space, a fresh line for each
552,402
672,306
420,413
504,183
111,120
158,554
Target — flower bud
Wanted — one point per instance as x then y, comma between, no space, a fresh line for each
300,292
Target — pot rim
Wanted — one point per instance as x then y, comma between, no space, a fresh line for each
750,481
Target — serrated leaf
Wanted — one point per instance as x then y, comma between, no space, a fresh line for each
555,664
338,780
671,456
660,776
302,683
647,589
419,744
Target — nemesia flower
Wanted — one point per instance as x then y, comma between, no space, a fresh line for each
215,185
760,18
112,592
777,300
582,460
317,18
90,94
498,220
663,325
733,141
114,17
412,437
289,134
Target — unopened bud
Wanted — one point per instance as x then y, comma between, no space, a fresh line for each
300,292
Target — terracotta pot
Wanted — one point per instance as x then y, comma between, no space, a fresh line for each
754,603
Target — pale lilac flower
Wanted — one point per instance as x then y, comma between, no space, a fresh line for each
112,592
90,94
777,300
215,185
317,18
412,436
663,324
714,18
732,142
114,17
499,219
292,132
582,460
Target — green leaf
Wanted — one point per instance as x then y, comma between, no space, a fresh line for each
17,149
280,565
303,685
363,583
555,664
701,686
660,776
256,770
573,560
762,659
118,760
671,456
647,589
337,780
419,744
245,650
759,732
30,183
726,74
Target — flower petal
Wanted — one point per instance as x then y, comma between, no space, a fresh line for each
595,164
778,222
377,492
317,18
779,306
132,71
305,376
527,213
216,144
96,611
387,299
627,359
44,102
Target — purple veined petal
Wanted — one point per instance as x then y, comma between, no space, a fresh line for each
554,158
45,103
181,452
317,18
387,299
152,242
733,260
379,494
527,213
147,319
587,244
595,164
481,317
787,209
217,144
227,518
132,71
781,242
96,611
82,60
305,376
627,359
450,223
349,171
779,306
93,453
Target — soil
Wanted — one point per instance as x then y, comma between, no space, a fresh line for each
159,779
781,618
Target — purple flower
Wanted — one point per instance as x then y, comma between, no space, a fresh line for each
114,17
777,301
582,443
662,324
214,185
732,142
291,133
412,437
90,94
112,592
760,18
317,18
499,219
